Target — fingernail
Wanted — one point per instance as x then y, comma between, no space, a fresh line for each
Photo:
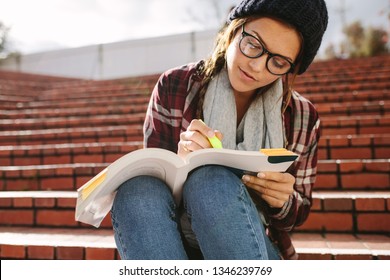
245,178
210,134
261,175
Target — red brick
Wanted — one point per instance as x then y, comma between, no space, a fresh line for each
316,205
374,222
327,166
13,252
351,153
27,161
88,159
23,202
40,252
354,166
70,253
371,204
339,142
57,183
353,257
64,171
5,202
66,202
16,217
100,254
55,218
339,204
329,222
381,166
365,180
382,152
63,159
21,184
44,202
326,181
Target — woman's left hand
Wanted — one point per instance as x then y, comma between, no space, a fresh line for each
273,187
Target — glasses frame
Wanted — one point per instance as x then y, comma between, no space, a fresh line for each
264,51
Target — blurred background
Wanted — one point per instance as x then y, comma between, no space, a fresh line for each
35,35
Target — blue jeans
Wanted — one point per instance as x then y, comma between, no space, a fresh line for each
222,215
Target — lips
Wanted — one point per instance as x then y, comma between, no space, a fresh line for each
247,76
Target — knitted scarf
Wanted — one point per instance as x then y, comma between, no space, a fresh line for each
261,126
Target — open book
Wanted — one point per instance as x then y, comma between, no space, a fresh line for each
95,198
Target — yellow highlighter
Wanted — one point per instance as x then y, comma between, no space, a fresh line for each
214,141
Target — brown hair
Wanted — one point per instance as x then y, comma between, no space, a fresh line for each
214,64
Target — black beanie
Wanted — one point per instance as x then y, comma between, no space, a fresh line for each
310,17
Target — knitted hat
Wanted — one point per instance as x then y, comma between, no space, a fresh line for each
310,17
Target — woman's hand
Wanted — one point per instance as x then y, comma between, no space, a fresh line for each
273,187
196,138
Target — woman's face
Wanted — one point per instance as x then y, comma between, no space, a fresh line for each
248,74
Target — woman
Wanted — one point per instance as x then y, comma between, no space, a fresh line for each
243,93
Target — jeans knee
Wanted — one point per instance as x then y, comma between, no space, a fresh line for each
210,183
142,191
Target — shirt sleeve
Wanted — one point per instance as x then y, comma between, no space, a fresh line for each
159,120
296,210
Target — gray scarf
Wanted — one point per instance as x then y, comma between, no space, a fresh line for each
261,127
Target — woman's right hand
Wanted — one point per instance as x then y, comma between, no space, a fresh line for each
196,138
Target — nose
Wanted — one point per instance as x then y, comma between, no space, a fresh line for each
258,64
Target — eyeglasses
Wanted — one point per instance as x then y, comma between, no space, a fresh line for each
252,47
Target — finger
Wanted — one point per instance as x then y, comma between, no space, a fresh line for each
198,139
273,202
199,125
269,192
277,177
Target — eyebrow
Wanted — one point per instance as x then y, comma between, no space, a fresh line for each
261,41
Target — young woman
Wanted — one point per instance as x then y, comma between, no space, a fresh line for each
243,93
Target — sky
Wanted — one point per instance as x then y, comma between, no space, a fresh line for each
41,25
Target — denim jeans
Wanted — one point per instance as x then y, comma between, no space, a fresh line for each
223,218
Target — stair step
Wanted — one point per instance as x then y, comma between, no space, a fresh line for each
372,146
48,243
125,133
366,146
332,175
363,212
66,153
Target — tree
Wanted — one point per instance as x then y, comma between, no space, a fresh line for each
3,37
360,41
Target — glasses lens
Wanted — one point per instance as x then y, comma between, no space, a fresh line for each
278,65
251,47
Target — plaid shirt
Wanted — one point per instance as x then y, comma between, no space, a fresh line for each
173,106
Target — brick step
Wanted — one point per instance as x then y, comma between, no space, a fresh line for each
89,103
345,212
320,88
347,96
368,146
112,115
66,153
72,135
343,175
125,106
381,75
91,244
331,246
360,108
331,147
24,129
128,118
351,66
350,125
